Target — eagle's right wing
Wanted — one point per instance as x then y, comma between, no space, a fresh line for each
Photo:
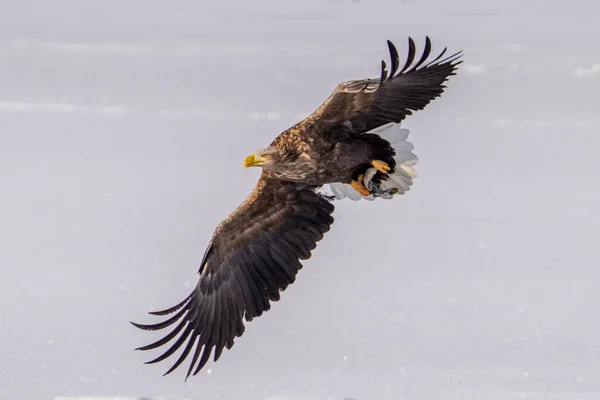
358,106
253,255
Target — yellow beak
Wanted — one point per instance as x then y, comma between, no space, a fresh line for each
254,160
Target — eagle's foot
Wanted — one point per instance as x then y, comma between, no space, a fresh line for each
381,166
359,186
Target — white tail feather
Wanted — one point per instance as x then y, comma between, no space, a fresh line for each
403,174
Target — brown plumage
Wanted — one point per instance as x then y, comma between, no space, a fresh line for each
255,253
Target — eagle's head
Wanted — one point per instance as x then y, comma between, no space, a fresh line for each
268,158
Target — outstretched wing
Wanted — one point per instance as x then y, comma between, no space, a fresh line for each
253,255
358,106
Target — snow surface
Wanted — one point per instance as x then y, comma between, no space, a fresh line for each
117,125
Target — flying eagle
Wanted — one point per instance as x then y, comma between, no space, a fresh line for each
352,142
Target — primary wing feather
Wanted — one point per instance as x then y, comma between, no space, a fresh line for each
357,106
253,255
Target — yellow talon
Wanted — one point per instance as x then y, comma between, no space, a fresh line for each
381,166
359,186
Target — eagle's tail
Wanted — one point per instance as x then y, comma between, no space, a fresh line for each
399,181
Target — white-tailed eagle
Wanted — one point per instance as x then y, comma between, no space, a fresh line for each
352,142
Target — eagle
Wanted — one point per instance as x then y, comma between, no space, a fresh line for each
352,142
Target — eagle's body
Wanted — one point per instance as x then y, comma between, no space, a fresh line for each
322,159
352,142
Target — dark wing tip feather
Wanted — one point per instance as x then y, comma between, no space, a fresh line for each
141,326
384,72
412,49
171,309
395,58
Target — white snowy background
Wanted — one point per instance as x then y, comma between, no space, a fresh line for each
123,129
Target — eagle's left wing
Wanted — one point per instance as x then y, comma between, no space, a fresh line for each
254,254
357,106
